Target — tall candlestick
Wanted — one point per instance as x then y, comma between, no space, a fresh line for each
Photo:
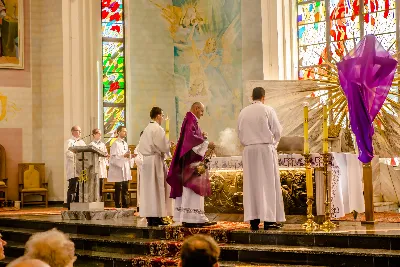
167,127
325,130
306,143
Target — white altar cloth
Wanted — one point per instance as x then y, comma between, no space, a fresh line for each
346,173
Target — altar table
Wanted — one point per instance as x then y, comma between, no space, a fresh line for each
345,171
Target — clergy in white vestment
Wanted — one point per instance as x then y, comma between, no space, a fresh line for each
189,187
103,161
259,132
154,190
73,167
119,171
139,163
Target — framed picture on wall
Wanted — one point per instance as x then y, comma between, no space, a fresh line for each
11,34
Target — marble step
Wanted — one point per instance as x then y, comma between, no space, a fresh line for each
248,253
105,259
125,242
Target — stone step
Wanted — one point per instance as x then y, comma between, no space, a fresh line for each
240,253
126,241
105,259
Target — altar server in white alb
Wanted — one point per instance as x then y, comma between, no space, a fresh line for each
103,161
73,167
259,132
139,163
154,190
120,168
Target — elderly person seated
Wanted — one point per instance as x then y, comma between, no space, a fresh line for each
52,247
199,251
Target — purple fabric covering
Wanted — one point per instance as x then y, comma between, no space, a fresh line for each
182,172
366,75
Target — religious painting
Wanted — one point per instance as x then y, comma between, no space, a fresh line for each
11,34
207,38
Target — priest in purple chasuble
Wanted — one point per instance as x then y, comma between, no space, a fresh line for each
188,187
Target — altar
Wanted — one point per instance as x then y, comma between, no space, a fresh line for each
345,172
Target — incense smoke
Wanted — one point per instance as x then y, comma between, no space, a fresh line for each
228,143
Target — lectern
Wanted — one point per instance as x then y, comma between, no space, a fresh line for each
87,164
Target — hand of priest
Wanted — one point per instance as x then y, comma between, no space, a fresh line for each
205,135
127,155
211,145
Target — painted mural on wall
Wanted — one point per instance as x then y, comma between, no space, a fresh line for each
8,109
207,37
11,34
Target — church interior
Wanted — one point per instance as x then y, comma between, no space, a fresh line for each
102,64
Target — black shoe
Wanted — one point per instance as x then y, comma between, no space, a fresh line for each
125,206
272,226
150,221
254,224
117,206
137,209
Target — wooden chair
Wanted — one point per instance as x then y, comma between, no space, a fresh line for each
108,188
3,179
32,182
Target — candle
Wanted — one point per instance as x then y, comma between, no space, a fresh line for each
306,143
325,130
309,183
167,127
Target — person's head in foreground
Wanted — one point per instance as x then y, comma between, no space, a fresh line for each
258,94
2,244
25,262
52,247
199,251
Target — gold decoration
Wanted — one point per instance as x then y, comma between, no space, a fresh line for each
83,176
309,225
327,225
334,130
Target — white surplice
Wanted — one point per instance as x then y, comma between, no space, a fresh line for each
103,162
154,190
259,132
119,169
72,166
139,165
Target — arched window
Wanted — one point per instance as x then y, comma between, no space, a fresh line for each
327,28
113,47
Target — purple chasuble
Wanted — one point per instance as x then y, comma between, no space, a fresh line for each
182,170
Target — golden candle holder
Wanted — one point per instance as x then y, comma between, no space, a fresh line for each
327,225
309,225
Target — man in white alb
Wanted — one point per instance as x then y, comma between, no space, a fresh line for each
120,168
154,190
73,167
259,132
103,161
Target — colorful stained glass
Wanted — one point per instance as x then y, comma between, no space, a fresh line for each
116,96
378,5
380,22
339,49
343,8
112,30
113,64
388,41
114,80
113,49
311,13
311,55
113,117
312,33
345,28
109,3
311,73
108,15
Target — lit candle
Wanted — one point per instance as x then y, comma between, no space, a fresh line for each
309,183
306,143
325,130
167,127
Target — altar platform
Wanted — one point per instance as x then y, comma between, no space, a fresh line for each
129,242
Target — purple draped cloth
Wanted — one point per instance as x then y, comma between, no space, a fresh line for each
182,171
366,75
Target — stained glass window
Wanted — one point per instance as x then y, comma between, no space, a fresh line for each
328,28
113,47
